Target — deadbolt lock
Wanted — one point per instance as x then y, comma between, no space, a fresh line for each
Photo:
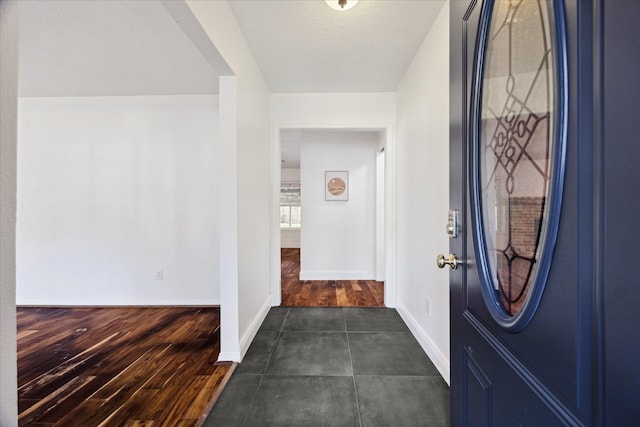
452,224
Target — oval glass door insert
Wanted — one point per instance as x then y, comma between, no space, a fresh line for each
518,153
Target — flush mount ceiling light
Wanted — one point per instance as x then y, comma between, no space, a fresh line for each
341,4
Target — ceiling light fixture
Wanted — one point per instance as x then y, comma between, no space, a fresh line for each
341,4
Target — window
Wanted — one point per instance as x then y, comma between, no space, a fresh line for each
290,210
518,133
290,217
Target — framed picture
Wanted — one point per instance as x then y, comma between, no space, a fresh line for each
336,185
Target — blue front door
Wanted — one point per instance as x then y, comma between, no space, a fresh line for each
544,177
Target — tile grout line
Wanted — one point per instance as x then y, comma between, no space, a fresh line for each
264,373
275,343
353,373
251,399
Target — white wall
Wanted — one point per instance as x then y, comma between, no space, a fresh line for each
117,201
332,110
423,193
290,238
290,175
338,238
245,299
8,163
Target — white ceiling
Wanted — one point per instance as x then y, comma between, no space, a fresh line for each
89,48
135,47
290,148
305,46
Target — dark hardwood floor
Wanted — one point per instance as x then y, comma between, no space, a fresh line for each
328,293
118,366
142,366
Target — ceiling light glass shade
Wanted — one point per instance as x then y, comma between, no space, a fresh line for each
341,4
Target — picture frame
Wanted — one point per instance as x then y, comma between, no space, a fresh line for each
336,186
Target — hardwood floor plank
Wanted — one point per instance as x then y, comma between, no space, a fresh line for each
175,366
52,414
138,423
169,407
175,413
83,415
67,366
22,335
49,403
133,405
341,296
135,375
117,366
201,401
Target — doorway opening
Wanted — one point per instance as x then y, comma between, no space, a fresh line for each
332,244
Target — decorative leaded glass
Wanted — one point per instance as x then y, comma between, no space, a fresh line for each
515,145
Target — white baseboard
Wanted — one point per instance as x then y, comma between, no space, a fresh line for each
441,362
337,275
276,299
248,335
137,303
290,245
252,330
229,357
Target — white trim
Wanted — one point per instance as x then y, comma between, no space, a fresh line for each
380,222
252,330
205,302
248,336
337,275
276,176
231,356
228,217
441,362
390,215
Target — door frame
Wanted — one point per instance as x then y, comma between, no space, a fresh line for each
390,244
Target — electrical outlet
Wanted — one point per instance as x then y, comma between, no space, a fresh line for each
160,275
427,306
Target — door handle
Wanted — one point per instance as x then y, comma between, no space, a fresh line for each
451,261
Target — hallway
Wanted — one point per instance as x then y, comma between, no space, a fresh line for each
326,293
333,367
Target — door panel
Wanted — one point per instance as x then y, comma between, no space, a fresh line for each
575,363
542,375
497,404
478,392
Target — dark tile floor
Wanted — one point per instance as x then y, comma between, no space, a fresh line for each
333,367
